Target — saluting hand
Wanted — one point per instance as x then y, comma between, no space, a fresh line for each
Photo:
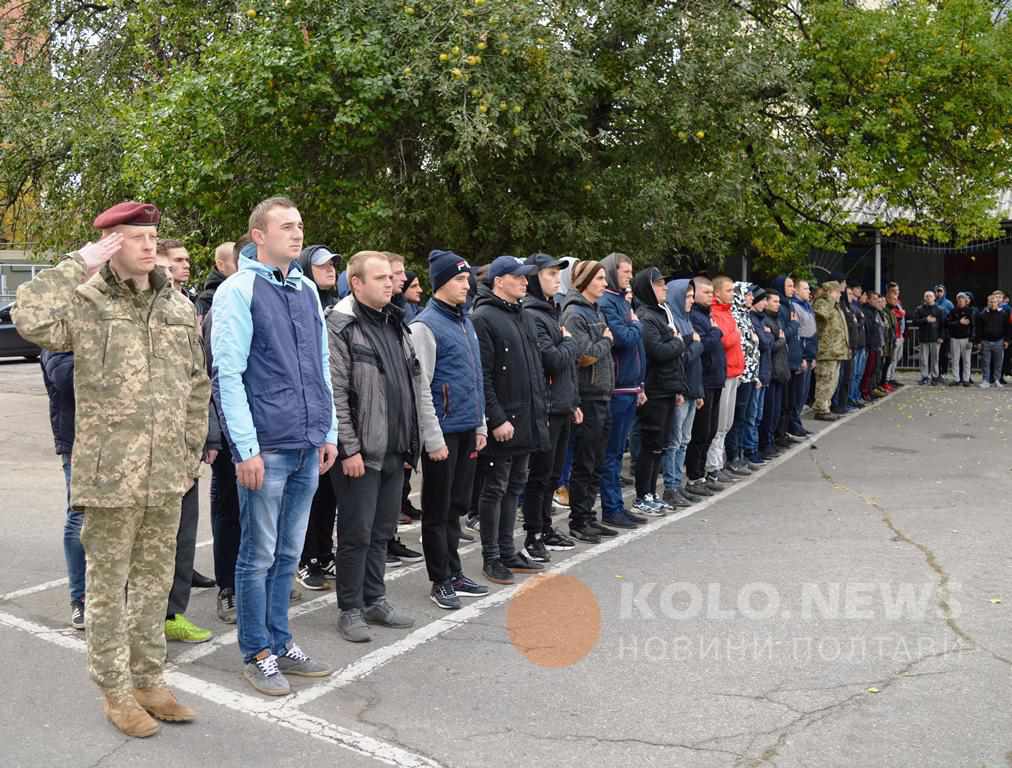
98,253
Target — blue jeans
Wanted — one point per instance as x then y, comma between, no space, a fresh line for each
857,373
623,411
753,415
273,524
733,443
567,465
673,463
73,552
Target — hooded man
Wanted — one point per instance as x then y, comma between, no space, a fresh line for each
316,565
680,299
559,353
741,305
321,265
664,384
629,369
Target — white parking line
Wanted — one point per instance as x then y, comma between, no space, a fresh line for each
267,710
62,582
371,662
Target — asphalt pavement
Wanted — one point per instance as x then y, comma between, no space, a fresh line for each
847,606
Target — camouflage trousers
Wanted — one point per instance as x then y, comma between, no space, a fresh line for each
827,376
126,632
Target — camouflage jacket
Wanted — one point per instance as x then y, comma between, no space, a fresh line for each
142,391
834,339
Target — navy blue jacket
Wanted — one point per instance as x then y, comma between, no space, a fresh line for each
58,376
765,334
693,358
714,360
790,326
627,351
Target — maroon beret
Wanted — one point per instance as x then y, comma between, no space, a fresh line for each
130,213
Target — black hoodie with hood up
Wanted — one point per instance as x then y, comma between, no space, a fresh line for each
328,298
664,350
558,353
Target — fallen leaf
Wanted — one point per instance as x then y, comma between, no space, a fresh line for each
873,690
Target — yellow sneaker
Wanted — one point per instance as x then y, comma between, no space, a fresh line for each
182,630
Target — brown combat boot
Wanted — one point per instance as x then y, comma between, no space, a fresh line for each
126,714
161,703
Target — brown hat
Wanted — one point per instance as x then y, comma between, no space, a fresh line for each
584,272
130,213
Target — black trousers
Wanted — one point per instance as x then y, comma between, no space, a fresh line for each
786,408
405,501
369,508
446,495
704,429
655,419
186,549
224,518
505,478
319,543
589,446
543,475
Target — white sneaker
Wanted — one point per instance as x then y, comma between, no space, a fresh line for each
984,385
998,385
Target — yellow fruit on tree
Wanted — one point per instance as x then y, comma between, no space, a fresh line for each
444,57
700,135
252,12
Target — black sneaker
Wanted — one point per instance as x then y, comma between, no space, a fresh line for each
556,542
200,581
392,561
738,469
77,614
621,520
410,510
226,605
697,488
330,570
466,535
518,563
726,477
534,548
311,576
402,553
584,533
472,523
602,530
465,587
496,572
442,594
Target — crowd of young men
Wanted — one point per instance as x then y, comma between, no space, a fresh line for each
313,393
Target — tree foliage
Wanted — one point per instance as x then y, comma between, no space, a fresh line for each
679,131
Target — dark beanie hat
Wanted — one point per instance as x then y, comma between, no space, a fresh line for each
584,272
443,266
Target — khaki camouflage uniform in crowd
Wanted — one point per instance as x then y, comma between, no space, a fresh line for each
138,356
834,346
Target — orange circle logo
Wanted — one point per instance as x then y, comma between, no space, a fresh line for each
554,620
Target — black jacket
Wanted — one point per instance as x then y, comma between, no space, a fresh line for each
873,328
514,380
781,369
855,323
58,376
206,295
595,373
958,330
665,352
558,353
928,332
992,325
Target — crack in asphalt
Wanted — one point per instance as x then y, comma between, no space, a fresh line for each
578,737
930,557
110,753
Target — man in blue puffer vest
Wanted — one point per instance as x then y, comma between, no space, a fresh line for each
273,391
630,369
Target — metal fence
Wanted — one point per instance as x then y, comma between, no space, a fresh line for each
13,274
911,358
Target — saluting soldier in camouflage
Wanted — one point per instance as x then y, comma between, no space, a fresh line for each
834,347
138,355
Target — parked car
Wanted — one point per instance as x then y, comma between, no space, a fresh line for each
11,343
